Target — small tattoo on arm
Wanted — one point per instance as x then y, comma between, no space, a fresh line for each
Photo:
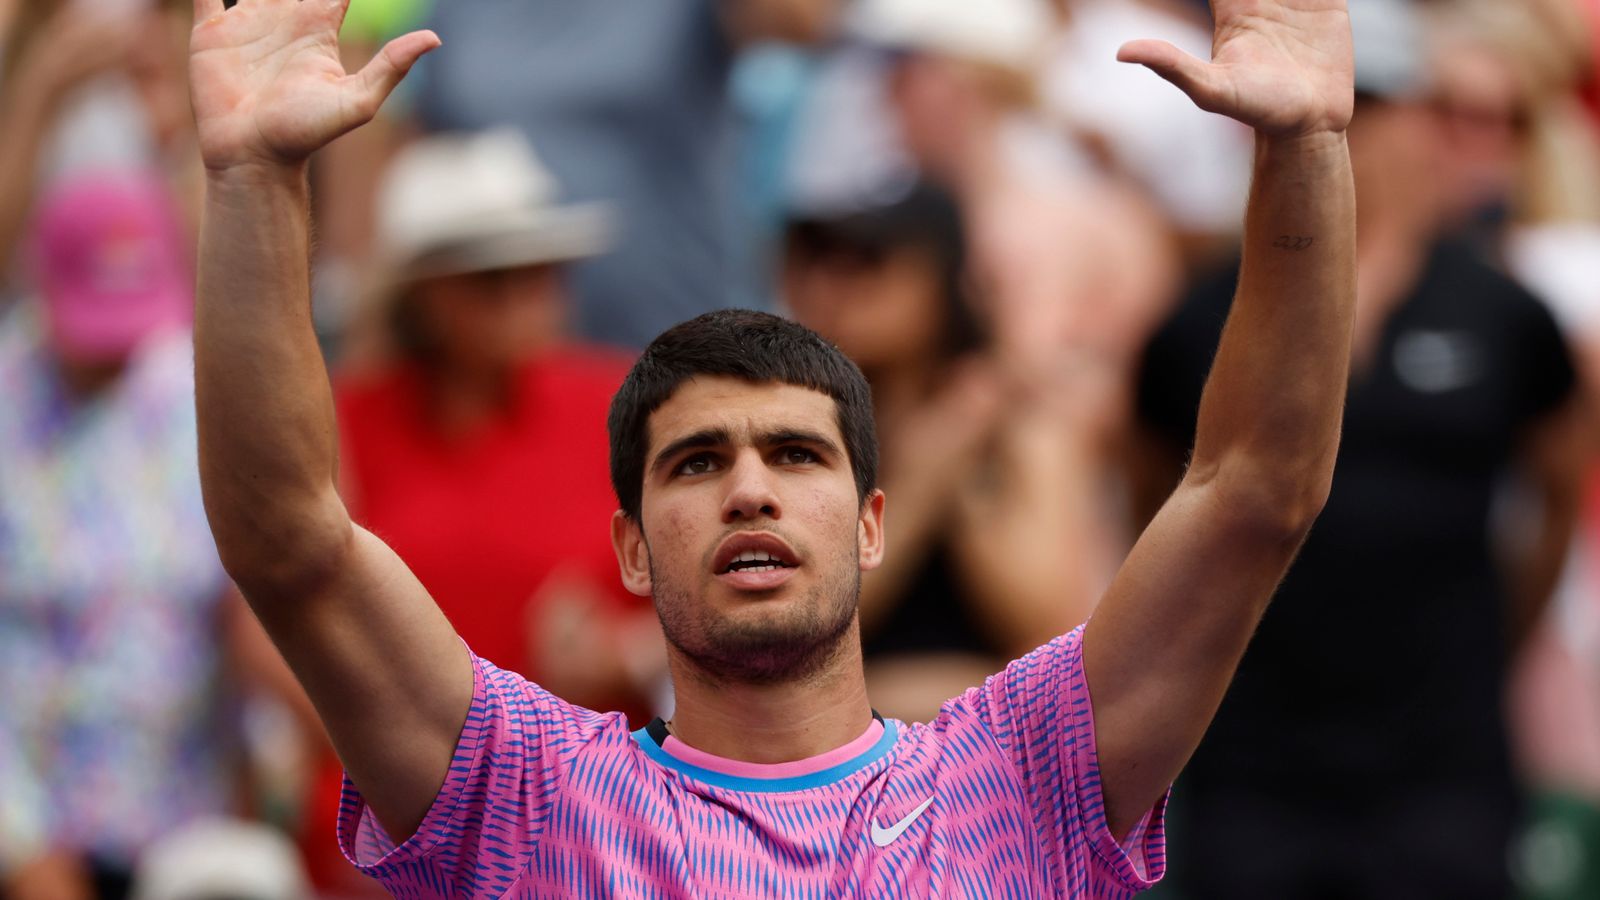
1293,242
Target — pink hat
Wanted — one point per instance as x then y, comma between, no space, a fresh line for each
111,264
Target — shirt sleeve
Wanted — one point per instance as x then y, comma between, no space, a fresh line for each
1039,712
1547,373
483,826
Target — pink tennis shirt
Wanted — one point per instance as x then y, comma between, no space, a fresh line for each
997,797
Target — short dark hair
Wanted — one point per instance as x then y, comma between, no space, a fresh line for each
927,218
737,343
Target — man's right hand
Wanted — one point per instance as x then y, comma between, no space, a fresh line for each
381,663
267,84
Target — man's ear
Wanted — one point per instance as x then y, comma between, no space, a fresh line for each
869,531
633,555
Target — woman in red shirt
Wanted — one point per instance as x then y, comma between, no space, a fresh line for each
478,448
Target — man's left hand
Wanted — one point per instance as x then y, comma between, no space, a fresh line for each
1283,67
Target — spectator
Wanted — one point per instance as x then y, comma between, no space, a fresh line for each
991,517
487,411
113,725
479,448
1362,750
95,91
1068,259
628,103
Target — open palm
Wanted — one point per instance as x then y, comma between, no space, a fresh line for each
1283,67
267,84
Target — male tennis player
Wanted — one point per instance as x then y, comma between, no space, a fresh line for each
744,460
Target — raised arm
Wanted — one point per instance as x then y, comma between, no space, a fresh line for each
380,662
1164,643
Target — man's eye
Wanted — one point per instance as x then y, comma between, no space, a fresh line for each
697,465
794,456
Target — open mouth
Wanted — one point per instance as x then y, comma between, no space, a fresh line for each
756,561
747,556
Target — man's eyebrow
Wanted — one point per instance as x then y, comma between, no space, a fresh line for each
798,436
710,437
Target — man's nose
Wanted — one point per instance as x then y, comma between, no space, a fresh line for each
752,492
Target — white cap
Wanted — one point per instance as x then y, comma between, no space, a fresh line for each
457,203
1009,33
222,858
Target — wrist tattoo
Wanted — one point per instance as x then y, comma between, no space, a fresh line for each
1293,242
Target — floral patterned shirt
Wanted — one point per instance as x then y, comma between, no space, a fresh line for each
111,719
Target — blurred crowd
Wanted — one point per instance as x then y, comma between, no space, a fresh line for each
1027,247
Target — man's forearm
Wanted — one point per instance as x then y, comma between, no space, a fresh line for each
1269,420
1169,634
268,439
1200,576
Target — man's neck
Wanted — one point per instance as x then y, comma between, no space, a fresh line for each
772,723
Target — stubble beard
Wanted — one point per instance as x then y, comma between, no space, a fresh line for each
761,650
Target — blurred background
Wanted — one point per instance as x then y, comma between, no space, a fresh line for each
1027,247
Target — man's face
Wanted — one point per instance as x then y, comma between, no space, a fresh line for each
751,536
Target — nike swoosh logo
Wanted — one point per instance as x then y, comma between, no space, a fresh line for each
883,837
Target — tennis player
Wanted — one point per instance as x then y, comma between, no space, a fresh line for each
744,461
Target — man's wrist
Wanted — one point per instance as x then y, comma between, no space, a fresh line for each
244,184
1308,143
258,174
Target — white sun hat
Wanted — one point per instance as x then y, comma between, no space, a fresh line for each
457,203
1010,33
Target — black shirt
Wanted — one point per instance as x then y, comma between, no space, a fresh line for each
934,614
1382,656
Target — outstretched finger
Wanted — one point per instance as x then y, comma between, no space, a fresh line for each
378,78
1188,73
